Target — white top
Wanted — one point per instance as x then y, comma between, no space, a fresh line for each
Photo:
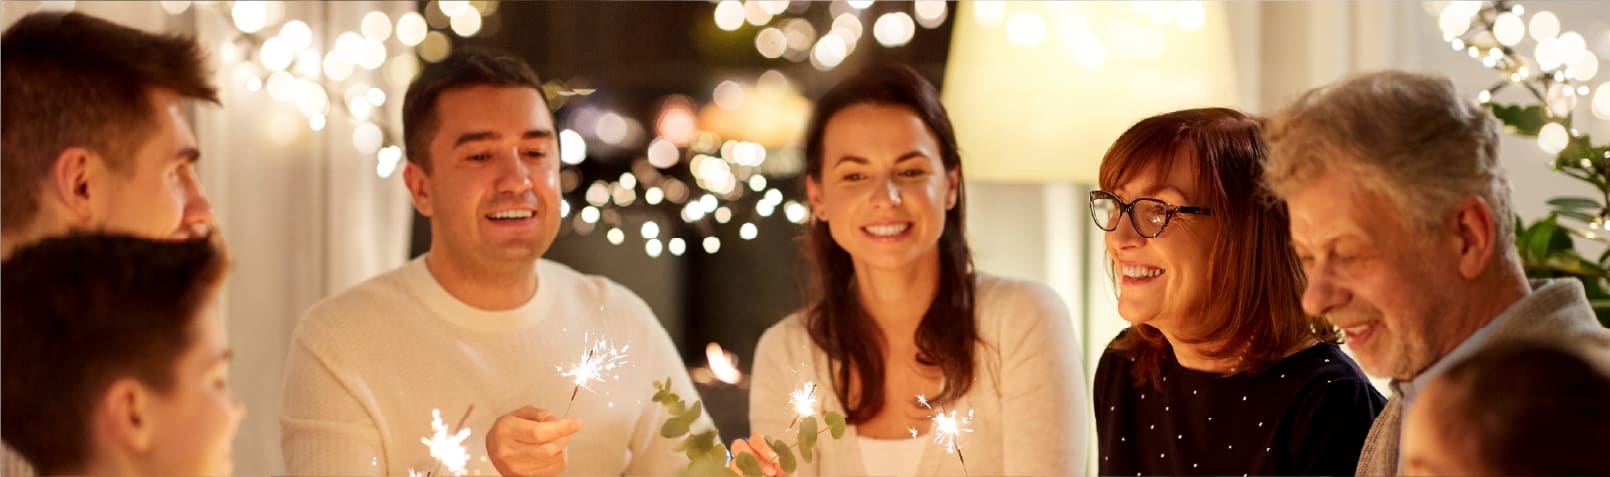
892,457
1031,407
367,366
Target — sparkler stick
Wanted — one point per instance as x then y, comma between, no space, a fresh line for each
803,400
947,429
597,360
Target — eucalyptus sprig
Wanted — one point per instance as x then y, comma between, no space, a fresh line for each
707,456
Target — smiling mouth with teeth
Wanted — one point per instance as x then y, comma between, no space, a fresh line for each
889,230
1141,272
510,215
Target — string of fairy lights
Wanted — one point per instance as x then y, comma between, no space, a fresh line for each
692,163
705,170
320,75
1556,75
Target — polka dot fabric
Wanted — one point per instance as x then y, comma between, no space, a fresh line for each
1306,415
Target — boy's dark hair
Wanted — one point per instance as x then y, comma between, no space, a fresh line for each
80,312
1529,409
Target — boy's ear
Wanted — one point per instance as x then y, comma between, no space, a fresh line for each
122,417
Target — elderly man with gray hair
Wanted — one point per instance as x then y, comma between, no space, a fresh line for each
1401,216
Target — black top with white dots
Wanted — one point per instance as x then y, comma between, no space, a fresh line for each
1306,415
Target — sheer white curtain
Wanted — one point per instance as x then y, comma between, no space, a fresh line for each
305,214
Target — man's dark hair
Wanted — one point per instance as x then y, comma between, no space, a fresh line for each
465,68
74,80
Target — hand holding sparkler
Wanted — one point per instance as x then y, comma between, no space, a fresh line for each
530,441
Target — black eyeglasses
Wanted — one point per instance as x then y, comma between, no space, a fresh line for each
1148,216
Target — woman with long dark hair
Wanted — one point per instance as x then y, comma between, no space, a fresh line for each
897,326
1220,371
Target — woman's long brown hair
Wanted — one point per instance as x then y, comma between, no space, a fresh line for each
837,322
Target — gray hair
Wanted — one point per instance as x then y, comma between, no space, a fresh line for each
1407,136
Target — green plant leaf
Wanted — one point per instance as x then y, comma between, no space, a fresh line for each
1542,238
1575,215
674,428
709,466
805,452
719,451
1522,120
835,423
785,456
1578,148
692,412
676,407
704,441
1576,202
748,464
807,437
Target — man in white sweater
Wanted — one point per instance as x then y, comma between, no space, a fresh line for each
481,319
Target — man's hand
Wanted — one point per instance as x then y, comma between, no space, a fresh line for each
530,442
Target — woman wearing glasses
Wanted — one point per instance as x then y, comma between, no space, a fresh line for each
1220,372
896,310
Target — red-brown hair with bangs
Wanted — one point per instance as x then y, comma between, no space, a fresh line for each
1256,313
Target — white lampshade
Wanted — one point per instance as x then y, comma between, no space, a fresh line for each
1038,90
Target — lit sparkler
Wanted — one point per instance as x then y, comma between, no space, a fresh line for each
447,446
947,428
598,362
803,400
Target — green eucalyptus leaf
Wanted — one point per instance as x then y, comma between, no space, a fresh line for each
807,434
748,464
693,412
709,466
719,451
835,423
785,456
805,453
674,428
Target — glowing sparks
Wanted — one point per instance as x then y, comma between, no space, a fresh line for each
803,400
721,364
446,446
948,428
598,362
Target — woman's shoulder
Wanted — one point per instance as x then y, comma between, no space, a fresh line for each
999,295
786,333
1319,370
